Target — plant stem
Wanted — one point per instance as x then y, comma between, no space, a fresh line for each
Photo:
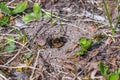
17,31
108,16
51,16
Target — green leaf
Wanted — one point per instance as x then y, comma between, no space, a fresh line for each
29,17
11,45
47,15
113,76
10,48
28,55
4,21
103,68
36,14
5,9
85,43
118,71
10,39
37,10
89,43
81,52
20,7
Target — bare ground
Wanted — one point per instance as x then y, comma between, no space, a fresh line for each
49,62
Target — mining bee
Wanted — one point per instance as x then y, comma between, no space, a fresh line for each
56,42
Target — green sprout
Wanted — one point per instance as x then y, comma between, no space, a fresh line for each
36,14
104,72
85,44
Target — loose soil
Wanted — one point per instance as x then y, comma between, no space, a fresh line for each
60,63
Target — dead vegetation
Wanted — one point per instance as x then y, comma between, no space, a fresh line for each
45,48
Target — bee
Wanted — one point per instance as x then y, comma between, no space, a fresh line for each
56,42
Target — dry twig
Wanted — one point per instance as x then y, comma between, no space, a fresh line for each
35,64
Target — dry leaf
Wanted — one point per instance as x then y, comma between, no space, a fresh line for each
113,62
68,67
94,52
108,41
12,21
93,65
93,77
1,15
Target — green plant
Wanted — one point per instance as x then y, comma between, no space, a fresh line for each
27,56
10,44
113,76
104,72
8,12
20,8
5,9
4,20
23,38
103,69
85,44
36,14
108,16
